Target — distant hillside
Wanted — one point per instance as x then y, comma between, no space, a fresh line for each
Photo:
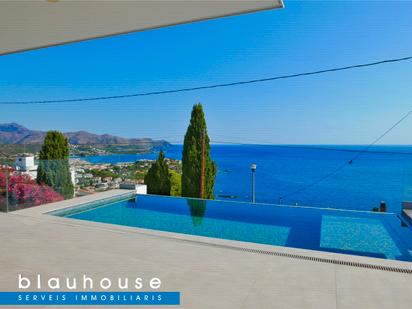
13,133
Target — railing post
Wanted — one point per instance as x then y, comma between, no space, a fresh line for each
382,206
253,168
7,190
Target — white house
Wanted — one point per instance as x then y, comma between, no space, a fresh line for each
25,164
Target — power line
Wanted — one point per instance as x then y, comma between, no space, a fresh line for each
350,161
141,94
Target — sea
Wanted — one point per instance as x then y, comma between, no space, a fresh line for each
332,176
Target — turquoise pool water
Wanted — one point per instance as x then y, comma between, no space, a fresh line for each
340,231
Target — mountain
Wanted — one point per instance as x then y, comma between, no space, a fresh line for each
13,133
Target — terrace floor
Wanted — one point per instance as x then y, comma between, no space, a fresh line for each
209,273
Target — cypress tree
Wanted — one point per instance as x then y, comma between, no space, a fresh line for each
157,178
196,137
54,169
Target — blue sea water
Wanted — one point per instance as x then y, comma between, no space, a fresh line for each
384,173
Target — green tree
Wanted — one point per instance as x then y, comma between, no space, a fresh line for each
197,142
103,173
54,169
175,183
157,177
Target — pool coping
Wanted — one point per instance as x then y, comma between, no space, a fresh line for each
45,213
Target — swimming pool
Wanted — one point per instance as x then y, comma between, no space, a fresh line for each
380,235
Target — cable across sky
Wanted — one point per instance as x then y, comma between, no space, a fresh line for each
348,162
229,84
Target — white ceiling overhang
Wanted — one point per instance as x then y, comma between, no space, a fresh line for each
32,24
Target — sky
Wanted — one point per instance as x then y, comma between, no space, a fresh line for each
349,107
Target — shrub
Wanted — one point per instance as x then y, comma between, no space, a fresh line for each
24,191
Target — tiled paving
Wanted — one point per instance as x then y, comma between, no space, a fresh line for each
207,276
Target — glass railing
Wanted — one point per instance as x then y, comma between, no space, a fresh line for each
25,185
318,176
321,176
27,182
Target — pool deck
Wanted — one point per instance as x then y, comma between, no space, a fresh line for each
209,273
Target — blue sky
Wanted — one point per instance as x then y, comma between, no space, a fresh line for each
351,107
